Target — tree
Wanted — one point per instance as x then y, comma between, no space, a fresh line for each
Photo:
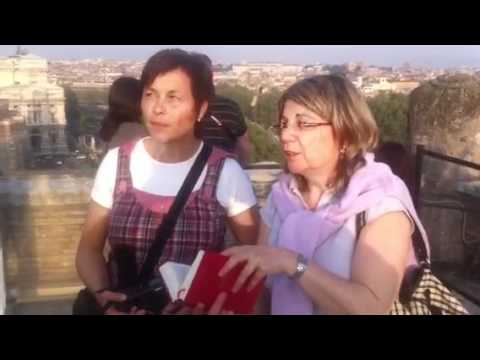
92,96
239,94
266,110
84,113
391,113
265,146
90,125
72,114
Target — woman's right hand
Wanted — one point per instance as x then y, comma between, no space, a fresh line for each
110,297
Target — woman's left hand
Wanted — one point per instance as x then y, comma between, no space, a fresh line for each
260,262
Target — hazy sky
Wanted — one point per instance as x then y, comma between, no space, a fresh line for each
430,55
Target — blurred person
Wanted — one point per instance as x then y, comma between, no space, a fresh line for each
224,125
123,120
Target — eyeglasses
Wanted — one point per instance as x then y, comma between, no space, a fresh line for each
301,125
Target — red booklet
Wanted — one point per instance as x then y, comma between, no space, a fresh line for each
200,283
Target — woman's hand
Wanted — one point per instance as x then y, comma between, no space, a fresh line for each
109,297
180,308
260,262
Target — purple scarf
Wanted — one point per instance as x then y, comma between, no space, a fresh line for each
302,230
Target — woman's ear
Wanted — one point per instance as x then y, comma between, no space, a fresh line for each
203,111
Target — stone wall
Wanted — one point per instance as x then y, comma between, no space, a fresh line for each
444,116
43,215
12,144
42,219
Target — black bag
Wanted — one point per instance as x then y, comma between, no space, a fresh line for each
147,293
86,304
150,297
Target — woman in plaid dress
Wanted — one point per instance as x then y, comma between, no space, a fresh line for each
137,183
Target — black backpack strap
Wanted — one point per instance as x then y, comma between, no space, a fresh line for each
165,229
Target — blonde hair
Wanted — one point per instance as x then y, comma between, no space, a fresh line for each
336,100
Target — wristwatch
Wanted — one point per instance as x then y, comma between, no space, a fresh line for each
302,264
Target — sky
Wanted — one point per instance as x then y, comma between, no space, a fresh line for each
436,56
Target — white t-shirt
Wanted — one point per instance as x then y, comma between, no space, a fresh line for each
234,190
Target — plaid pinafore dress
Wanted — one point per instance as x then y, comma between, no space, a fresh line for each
136,215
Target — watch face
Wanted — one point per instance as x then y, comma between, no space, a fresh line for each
301,267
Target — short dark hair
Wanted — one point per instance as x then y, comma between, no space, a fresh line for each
205,58
171,59
123,106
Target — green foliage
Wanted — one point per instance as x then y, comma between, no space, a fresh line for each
92,96
72,114
265,146
83,112
259,119
242,96
266,113
391,113
89,125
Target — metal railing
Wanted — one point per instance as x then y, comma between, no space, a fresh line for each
451,204
421,152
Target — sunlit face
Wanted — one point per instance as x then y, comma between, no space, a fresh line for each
307,140
168,107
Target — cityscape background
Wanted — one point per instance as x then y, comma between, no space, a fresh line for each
382,55
53,99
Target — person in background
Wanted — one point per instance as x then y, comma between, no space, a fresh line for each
224,125
123,120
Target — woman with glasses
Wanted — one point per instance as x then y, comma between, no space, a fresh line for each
316,257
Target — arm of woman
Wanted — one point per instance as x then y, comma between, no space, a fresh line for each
378,266
235,193
90,262
244,226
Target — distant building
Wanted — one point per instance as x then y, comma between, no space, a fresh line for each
23,69
383,85
266,68
40,105
12,140
404,87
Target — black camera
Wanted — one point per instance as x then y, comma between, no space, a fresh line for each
151,297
